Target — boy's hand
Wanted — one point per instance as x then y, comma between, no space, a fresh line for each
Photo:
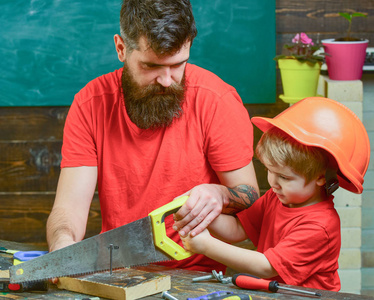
197,244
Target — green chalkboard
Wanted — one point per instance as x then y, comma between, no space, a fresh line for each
236,40
50,49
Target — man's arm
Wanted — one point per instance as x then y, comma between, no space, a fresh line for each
237,191
242,188
67,222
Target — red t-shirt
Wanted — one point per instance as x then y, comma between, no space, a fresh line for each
140,170
302,244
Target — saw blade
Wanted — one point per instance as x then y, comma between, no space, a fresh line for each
125,246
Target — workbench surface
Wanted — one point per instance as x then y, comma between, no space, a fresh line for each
182,287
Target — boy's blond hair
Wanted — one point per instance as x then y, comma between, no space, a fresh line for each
278,148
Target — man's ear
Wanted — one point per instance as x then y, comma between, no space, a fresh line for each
120,47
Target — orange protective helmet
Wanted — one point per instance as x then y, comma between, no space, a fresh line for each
328,124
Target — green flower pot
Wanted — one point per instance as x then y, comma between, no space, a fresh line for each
299,79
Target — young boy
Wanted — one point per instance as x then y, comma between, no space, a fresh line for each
309,150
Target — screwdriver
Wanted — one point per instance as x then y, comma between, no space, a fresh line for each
250,282
222,295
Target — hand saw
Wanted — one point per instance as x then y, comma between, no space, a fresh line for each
138,243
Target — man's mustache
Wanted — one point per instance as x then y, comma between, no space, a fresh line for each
157,89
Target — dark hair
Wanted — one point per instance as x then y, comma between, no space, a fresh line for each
166,24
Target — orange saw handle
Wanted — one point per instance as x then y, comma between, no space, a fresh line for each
162,241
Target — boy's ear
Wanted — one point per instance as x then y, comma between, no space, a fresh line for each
120,47
321,180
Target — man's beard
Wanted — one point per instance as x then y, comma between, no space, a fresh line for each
152,106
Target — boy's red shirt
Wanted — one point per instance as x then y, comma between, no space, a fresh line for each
302,244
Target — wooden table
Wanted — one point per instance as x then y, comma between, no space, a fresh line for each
182,286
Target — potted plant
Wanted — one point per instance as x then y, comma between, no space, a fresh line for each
299,68
346,54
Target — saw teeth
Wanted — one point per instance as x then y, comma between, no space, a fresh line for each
86,273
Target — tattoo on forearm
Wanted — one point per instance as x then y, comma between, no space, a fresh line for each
241,197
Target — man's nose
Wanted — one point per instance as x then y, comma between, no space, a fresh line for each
164,78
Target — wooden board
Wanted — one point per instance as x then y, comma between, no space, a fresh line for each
4,274
126,284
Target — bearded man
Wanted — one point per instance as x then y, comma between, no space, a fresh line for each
152,131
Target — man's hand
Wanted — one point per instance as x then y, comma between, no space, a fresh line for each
204,204
58,245
238,190
61,243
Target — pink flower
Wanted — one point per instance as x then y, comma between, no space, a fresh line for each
303,38
303,50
